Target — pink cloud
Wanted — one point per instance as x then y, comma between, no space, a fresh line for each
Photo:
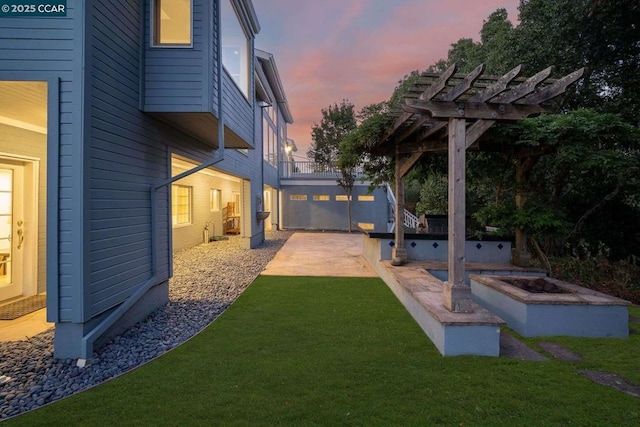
358,50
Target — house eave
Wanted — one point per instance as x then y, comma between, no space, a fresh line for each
270,69
202,126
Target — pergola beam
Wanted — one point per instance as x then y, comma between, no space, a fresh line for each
420,122
465,85
552,91
430,146
523,89
406,164
417,150
439,85
498,87
476,130
473,110
397,124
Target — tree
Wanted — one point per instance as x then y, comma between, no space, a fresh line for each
353,151
495,49
433,195
556,164
372,122
573,174
337,122
601,35
497,42
576,176
348,162
465,53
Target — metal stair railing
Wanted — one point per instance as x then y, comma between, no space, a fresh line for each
409,219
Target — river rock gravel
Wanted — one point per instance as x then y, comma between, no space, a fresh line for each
207,279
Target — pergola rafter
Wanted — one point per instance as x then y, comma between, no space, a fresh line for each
451,112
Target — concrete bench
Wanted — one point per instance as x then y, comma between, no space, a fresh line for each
476,333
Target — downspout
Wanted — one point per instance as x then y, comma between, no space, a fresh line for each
86,345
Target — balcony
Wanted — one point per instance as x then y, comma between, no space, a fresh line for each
307,169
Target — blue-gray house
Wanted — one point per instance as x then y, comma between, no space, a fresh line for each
127,130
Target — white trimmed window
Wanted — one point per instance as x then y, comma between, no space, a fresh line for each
342,198
266,196
298,197
172,23
321,197
235,47
366,198
269,138
214,200
180,205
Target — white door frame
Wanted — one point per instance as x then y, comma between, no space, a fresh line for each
28,273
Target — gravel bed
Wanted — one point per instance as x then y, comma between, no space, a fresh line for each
207,279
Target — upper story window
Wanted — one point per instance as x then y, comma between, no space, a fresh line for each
269,138
235,47
172,23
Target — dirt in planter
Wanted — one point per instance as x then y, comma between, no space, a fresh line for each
538,286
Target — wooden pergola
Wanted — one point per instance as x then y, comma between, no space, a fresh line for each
450,112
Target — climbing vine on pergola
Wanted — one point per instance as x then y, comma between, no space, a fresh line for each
450,112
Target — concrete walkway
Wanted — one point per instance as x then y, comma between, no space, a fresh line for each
321,254
24,327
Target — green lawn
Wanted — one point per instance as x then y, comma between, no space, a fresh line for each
343,351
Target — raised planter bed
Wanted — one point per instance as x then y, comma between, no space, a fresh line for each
547,307
435,247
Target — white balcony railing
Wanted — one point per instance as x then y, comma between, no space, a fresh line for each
297,169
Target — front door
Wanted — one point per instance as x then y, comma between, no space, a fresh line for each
12,229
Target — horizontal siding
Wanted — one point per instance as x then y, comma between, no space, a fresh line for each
181,71
110,297
125,159
33,44
270,175
238,112
167,85
128,151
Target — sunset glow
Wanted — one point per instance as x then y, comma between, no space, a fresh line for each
358,50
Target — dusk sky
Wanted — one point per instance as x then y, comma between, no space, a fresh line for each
358,50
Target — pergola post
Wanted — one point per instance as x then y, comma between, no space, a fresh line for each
457,295
521,256
399,252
